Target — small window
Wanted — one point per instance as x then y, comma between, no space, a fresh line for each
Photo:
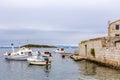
117,35
117,27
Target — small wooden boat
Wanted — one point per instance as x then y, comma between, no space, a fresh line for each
40,59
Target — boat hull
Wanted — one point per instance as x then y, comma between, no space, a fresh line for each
20,58
38,61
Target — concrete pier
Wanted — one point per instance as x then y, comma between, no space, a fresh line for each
66,54
76,57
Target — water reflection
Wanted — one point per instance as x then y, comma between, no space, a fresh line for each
90,69
93,71
16,66
24,67
47,70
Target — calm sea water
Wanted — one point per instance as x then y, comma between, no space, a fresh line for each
60,69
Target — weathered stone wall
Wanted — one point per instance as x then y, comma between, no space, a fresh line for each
112,56
111,42
85,48
107,55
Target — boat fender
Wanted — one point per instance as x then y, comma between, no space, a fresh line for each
9,54
46,62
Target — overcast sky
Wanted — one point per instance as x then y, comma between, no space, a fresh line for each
55,21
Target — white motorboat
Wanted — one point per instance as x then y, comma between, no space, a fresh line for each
21,54
41,59
59,50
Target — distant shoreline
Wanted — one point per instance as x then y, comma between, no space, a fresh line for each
8,47
38,46
41,46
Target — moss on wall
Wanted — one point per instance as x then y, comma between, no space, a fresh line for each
84,41
92,51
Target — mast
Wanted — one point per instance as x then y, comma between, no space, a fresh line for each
12,47
19,44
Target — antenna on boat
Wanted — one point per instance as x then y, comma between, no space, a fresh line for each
12,47
27,43
19,44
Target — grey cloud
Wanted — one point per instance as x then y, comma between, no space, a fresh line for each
56,22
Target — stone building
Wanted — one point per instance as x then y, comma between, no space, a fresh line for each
114,34
104,49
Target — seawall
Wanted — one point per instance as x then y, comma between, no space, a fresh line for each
106,57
